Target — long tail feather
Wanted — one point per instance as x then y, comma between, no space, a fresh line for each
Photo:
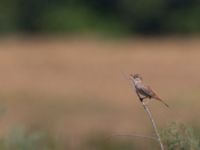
157,98
165,103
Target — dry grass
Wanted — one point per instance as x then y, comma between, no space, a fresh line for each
75,86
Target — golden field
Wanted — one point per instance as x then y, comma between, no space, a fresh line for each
74,87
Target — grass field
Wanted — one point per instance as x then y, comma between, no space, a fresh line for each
73,88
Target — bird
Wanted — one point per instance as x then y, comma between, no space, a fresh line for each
144,91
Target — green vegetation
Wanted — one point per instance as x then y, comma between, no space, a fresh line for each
20,139
100,16
180,137
175,137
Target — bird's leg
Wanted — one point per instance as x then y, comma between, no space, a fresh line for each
144,99
147,101
139,96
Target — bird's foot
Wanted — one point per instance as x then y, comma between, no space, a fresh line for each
141,99
145,102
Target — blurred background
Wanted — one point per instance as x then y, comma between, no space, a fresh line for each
110,17
62,83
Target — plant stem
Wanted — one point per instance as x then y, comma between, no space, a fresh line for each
136,136
154,125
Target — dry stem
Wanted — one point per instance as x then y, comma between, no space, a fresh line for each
154,125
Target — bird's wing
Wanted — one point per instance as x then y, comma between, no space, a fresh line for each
147,91
153,93
155,96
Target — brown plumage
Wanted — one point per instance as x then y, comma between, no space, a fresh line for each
144,91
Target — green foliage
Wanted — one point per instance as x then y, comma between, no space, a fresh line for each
175,137
73,19
104,16
179,137
19,139
185,20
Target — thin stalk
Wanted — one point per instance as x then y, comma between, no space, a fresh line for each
154,125
135,136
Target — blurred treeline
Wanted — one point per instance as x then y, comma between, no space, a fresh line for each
103,16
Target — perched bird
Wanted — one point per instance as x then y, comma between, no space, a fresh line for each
144,91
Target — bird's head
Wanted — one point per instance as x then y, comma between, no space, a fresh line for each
136,77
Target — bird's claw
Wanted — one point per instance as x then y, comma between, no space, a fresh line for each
145,102
141,99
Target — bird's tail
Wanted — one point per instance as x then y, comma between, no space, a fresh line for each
158,98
